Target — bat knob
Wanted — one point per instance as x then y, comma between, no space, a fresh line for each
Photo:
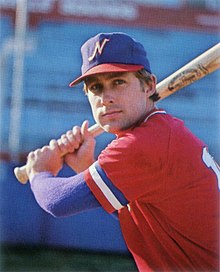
21,175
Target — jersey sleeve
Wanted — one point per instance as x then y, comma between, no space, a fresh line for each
130,167
109,196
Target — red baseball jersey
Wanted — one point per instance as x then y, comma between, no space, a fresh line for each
164,185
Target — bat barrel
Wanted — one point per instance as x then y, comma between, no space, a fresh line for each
201,66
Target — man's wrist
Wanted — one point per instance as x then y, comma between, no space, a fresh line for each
33,174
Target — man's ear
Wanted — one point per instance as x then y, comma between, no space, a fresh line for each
150,87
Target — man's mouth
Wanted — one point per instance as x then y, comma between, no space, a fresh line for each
112,113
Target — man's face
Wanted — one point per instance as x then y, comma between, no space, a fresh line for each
118,100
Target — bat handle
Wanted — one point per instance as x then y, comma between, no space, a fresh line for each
20,172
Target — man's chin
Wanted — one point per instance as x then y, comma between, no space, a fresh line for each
110,128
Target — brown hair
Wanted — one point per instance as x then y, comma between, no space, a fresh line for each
145,77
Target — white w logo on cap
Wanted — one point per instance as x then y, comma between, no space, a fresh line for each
98,48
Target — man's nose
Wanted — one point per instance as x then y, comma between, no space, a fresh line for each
107,97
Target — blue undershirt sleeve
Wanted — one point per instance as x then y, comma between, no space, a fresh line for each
62,196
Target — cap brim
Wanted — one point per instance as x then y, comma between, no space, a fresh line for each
107,68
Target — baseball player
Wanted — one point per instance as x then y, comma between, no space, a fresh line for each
156,176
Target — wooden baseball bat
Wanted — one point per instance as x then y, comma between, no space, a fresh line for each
196,69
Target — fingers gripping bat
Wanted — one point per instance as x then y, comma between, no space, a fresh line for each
196,69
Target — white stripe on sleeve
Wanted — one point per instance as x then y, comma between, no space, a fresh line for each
104,188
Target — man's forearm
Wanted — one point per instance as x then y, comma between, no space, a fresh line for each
62,196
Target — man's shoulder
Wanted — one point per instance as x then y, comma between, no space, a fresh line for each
156,125
153,131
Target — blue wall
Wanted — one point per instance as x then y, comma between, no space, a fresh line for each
51,107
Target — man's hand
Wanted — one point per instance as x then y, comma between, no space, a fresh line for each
46,159
80,145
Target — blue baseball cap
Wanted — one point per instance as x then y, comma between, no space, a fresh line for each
109,53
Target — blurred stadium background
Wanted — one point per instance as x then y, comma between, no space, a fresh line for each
39,55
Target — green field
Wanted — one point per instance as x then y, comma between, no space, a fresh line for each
38,259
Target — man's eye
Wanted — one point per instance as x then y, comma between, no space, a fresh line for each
119,82
95,88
